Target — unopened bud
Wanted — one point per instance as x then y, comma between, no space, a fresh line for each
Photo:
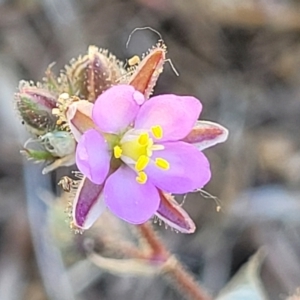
35,105
90,75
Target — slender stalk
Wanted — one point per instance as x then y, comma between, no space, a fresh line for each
172,270
157,248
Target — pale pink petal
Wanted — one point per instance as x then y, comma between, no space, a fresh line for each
175,114
93,156
189,168
116,108
79,117
129,200
174,215
88,204
206,134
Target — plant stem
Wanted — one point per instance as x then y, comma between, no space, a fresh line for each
172,269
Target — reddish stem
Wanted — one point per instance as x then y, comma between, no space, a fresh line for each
172,269
158,250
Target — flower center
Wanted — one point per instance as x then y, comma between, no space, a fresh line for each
138,149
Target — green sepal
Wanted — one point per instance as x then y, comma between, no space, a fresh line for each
37,155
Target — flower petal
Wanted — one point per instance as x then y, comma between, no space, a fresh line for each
206,134
116,108
92,156
133,202
79,117
188,168
88,204
174,215
175,114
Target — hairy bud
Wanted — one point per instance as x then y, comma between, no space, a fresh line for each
35,105
90,75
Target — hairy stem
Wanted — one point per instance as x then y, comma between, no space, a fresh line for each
172,270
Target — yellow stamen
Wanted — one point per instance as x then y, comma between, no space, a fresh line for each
157,131
143,139
142,177
162,163
117,151
142,163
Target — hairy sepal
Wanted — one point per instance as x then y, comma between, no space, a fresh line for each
145,75
174,215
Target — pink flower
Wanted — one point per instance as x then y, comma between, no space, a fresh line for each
136,149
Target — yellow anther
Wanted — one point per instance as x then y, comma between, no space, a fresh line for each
157,131
162,163
143,139
141,178
134,60
142,163
117,151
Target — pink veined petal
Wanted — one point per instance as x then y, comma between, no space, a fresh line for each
88,204
206,134
93,156
175,114
174,215
79,117
116,108
189,168
133,202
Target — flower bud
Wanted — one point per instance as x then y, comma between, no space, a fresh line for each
35,105
90,75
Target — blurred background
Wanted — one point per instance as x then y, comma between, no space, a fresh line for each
242,59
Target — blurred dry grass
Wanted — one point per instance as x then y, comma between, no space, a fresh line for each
242,58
